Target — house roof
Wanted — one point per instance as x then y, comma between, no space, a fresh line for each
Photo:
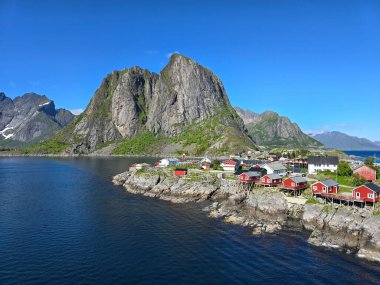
363,165
298,179
276,166
329,182
253,174
374,187
327,160
274,176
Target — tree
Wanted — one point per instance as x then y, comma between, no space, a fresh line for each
344,169
358,180
215,164
369,161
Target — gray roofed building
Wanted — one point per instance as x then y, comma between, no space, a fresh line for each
323,160
298,179
274,176
329,182
374,187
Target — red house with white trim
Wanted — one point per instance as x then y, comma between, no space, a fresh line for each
180,172
230,165
249,176
366,173
295,183
369,192
272,180
325,187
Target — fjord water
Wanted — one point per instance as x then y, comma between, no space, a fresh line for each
63,222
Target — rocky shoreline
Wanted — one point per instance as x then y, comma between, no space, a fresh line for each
350,229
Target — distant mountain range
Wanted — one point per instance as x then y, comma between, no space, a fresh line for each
272,130
29,119
343,141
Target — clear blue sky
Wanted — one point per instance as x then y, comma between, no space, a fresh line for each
317,62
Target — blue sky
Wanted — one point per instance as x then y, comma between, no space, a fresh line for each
317,62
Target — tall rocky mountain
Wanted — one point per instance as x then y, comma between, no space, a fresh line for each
30,118
271,130
343,141
184,108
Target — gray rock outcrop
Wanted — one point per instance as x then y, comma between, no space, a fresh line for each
30,117
135,100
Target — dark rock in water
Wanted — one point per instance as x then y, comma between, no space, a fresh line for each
30,117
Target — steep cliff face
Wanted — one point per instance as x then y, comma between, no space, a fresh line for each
29,118
167,105
270,129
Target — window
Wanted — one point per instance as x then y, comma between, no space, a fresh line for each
315,188
293,184
357,194
269,180
370,196
324,189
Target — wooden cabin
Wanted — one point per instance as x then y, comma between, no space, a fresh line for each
369,192
295,183
328,186
180,172
249,177
366,173
272,180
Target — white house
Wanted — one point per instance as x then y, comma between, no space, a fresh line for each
230,165
168,162
322,163
275,168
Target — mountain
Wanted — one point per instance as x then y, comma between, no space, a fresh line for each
270,129
29,119
343,141
183,109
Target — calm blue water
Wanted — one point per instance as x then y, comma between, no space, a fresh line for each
63,222
364,153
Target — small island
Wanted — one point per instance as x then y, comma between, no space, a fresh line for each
268,196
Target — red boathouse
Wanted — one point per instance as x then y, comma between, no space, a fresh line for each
180,172
295,183
249,177
325,187
369,192
272,180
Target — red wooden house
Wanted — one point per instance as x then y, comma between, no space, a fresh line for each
366,172
325,187
369,192
295,183
249,176
273,180
180,172
206,165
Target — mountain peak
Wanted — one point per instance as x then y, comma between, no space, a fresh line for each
271,129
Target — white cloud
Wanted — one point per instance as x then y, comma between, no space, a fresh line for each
76,111
168,55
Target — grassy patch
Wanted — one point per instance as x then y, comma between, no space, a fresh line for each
139,144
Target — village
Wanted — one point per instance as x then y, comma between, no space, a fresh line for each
313,179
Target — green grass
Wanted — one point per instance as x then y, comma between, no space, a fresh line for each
312,201
343,180
139,144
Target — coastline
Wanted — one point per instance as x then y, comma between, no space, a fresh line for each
349,229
